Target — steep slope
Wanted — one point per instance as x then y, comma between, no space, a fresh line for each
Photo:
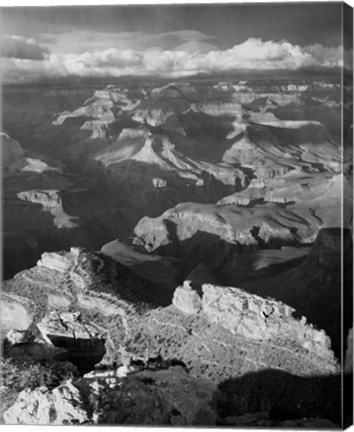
100,110
51,202
11,150
34,214
293,187
312,287
18,161
157,152
271,151
163,272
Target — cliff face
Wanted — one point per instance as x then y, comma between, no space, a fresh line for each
51,202
92,307
11,150
258,226
254,317
105,292
17,160
81,278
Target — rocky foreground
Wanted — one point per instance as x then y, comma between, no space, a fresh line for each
215,356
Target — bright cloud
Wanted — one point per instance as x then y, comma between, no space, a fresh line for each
251,54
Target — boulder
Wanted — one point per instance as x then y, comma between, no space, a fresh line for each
15,337
84,342
67,325
63,405
186,299
56,261
159,182
16,312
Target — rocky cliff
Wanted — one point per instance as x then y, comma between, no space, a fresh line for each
11,150
51,202
105,301
254,317
162,397
97,311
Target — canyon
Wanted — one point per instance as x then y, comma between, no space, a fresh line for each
178,249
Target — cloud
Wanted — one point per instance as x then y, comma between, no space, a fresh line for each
15,70
22,48
88,41
326,56
256,54
115,62
196,46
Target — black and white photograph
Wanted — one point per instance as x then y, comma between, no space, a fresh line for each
177,215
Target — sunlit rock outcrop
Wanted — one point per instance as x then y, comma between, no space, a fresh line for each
186,299
157,152
60,406
253,227
255,317
68,325
52,203
100,111
159,182
17,312
164,397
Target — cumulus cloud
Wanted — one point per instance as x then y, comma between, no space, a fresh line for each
13,46
326,56
251,54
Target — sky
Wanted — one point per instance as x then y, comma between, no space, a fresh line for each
39,43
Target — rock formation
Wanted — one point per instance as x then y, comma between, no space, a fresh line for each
159,182
254,317
84,281
16,312
186,299
93,312
165,397
11,150
16,160
61,406
56,326
52,203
